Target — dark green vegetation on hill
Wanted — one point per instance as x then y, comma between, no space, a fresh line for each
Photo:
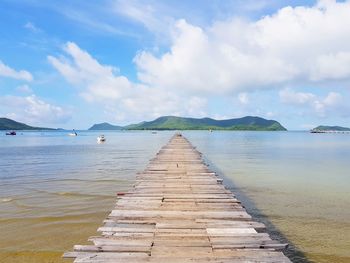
105,126
8,124
330,128
180,123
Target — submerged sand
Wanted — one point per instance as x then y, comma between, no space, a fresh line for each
55,192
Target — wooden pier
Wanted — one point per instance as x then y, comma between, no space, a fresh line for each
177,212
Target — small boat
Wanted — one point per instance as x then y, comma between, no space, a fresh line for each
74,133
317,131
11,133
154,132
101,138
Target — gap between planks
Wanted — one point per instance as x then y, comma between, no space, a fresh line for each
179,211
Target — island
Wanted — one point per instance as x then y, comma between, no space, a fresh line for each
8,124
104,127
328,129
250,123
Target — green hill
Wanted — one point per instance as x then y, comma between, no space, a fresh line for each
179,123
330,128
104,126
8,124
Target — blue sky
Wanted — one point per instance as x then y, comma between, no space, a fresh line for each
74,63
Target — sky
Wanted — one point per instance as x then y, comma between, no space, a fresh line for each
73,63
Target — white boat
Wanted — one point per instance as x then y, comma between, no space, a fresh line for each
101,138
74,133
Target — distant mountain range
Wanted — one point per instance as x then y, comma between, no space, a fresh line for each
330,128
171,123
180,123
8,124
105,126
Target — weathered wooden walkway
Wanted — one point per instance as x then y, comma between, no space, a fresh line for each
179,211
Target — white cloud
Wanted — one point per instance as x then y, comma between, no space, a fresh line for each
289,96
32,110
309,45
142,13
104,85
332,101
321,106
295,44
332,66
270,114
98,82
196,106
93,21
156,16
9,72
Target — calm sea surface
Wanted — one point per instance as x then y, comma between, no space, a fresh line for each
55,190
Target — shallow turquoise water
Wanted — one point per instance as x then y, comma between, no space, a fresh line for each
297,183
52,184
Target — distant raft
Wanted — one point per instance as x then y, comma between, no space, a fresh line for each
11,133
101,138
74,133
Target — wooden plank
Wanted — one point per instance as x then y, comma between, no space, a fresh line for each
179,252
178,211
180,214
129,235
117,248
75,254
226,230
126,229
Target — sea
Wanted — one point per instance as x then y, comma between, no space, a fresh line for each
55,189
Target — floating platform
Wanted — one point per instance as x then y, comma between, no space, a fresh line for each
177,212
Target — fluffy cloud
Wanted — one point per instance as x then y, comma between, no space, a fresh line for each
232,57
104,85
332,66
98,82
33,110
292,97
9,72
332,101
307,44
321,106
